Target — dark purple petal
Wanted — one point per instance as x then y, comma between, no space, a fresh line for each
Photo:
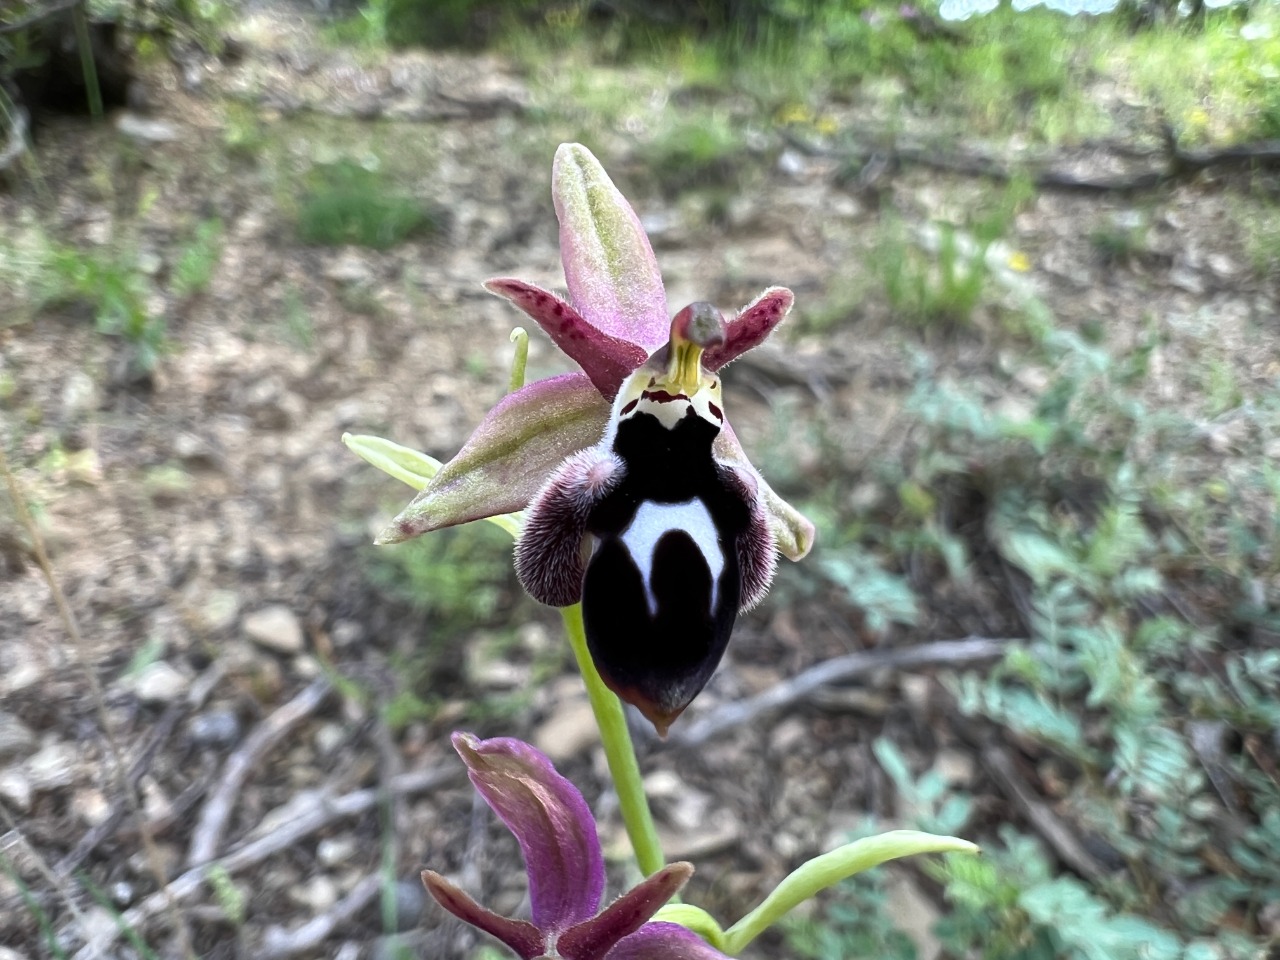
664,941
520,935
608,263
750,327
549,818
791,529
606,359
591,939
757,549
550,561
508,457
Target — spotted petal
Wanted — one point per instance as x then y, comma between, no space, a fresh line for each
792,530
608,263
552,823
750,327
606,359
508,457
664,941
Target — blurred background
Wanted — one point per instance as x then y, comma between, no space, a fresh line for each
1028,393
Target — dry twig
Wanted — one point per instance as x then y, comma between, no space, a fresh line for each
324,811
279,943
938,653
207,836
154,862
1047,823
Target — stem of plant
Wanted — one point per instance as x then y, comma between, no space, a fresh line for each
618,751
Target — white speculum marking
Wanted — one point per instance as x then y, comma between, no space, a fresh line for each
652,520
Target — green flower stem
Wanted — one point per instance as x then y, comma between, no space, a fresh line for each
618,750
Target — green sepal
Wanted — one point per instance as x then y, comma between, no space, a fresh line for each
405,464
414,468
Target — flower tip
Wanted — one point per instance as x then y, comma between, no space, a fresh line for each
700,324
398,531
660,717
467,744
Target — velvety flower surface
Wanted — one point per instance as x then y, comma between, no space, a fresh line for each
642,503
563,859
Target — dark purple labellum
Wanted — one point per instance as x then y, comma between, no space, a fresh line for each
663,586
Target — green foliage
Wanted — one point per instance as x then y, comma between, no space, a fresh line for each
345,203
700,150
231,899
112,283
942,276
456,576
115,290
197,261
856,924
1121,240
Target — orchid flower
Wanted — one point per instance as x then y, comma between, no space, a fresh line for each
565,865
641,502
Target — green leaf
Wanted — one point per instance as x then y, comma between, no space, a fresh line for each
830,868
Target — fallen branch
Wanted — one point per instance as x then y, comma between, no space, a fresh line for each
279,943
142,763
207,836
324,811
1173,163
1046,823
802,685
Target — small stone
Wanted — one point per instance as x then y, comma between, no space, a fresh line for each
16,738
329,737
90,806
194,450
79,395
147,131
215,728
916,691
276,628
332,851
219,610
1185,279
1221,264
491,672
410,898
160,682
955,767
346,633
792,164
788,735
915,915
662,784
15,788
318,894
349,269
52,767
97,927
570,729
